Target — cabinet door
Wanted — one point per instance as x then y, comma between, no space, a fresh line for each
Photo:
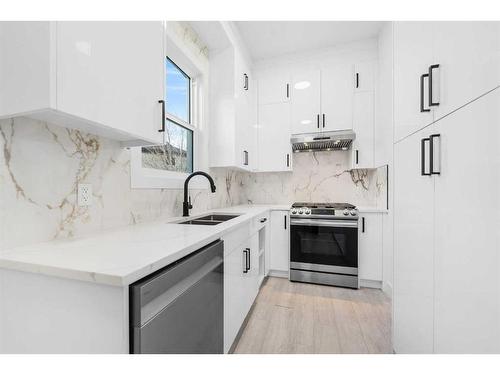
370,246
413,249
467,212
412,58
235,295
280,239
275,153
468,54
305,102
363,76
253,272
244,134
363,126
274,87
112,73
336,97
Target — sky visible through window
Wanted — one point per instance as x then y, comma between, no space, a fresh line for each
177,152
177,92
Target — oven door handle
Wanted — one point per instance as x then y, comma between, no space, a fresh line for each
325,223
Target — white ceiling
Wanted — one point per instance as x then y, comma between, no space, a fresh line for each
212,33
268,39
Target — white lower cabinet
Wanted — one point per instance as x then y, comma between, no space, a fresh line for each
241,278
413,249
370,247
446,262
234,288
279,252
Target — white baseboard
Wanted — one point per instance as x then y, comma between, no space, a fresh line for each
275,273
387,289
375,284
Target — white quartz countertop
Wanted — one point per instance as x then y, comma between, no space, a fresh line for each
122,256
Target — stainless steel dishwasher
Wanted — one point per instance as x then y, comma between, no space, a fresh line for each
179,309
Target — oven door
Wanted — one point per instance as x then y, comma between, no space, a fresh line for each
324,245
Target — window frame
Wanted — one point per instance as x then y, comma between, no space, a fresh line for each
143,177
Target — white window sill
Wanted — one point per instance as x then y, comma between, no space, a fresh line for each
146,178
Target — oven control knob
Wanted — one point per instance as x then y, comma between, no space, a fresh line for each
301,211
294,211
346,212
307,211
353,212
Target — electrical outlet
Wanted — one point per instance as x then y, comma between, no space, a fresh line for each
84,194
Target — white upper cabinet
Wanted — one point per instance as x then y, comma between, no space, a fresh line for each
336,97
468,55
364,76
275,150
363,153
233,111
305,98
274,87
439,67
412,58
105,78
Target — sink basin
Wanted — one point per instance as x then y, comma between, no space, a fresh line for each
217,217
209,219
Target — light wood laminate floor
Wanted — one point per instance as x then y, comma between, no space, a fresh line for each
291,317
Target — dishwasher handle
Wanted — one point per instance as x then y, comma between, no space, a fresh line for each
149,296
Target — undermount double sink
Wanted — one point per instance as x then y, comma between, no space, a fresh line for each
212,219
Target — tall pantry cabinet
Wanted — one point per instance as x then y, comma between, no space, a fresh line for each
447,178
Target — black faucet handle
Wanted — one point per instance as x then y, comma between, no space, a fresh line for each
189,203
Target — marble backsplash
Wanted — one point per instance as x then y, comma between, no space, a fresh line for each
319,177
41,166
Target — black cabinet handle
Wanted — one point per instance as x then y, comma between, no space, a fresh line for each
263,220
245,86
317,120
285,221
357,157
357,80
245,157
162,102
431,102
422,161
287,90
431,154
288,160
245,252
422,78
249,257
363,224
323,120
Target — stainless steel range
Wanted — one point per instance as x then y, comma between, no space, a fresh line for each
324,244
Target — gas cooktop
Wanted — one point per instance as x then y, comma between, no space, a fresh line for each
324,210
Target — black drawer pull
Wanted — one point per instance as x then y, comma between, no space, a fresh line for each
431,102
422,78
162,102
422,160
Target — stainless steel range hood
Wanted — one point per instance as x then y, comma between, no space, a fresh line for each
340,140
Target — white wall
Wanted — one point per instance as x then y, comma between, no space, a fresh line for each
365,50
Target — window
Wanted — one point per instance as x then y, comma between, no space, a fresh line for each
176,155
